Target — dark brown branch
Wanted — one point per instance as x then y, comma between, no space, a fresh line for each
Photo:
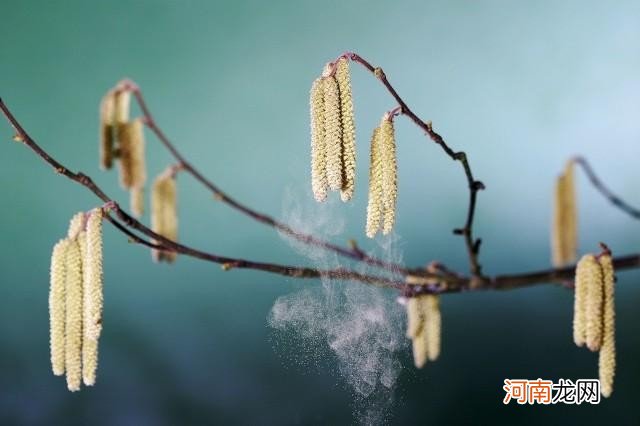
166,244
220,195
473,245
610,196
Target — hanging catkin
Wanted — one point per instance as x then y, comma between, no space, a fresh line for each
433,325
73,315
348,129
580,299
607,356
390,173
374,206
319,183
107,130
564,235
333,132
136,200
57,316
122,104
164,217
131,150
92,296
593,309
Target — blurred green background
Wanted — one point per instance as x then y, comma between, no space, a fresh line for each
520,86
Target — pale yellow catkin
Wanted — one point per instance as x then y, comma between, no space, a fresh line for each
131,151
333,133
57,302
593,310
136,200
343,76
73,314
76,224
374,205
319,183
607,356
420,349
164,217
390,173
122,105
92,296
433,325
107,130
564,237
580,299
415,317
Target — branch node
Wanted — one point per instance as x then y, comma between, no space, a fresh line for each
379,73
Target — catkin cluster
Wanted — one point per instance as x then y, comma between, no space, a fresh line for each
594,313
75,300
122,138
383,179
564,236
333,142
424,327
164,216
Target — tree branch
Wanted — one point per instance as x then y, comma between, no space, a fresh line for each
610,196
472,245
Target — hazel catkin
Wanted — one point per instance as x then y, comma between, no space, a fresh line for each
607,356
333,133
319,183
73,315
390,173
164,217
57,303
107,130
564,234
343,78
376,175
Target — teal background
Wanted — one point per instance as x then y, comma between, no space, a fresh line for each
520,86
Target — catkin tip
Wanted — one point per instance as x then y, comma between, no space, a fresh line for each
164,216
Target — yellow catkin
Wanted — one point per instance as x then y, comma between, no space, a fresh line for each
415,317
57,302
92,296
420,349
76,224
93,286
433,325
607,357
131,150
564,237
374,206
593,310
319,183
73,315
164,217
348,129
390,173
136,196
580,299
333,133
122,106
107,133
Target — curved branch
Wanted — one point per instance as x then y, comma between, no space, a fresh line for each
220,195
610,196
472,244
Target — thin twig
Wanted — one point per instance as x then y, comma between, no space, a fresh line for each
610,196
472,245
220,195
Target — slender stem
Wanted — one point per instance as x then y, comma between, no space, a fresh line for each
610,196
472,245
220,195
